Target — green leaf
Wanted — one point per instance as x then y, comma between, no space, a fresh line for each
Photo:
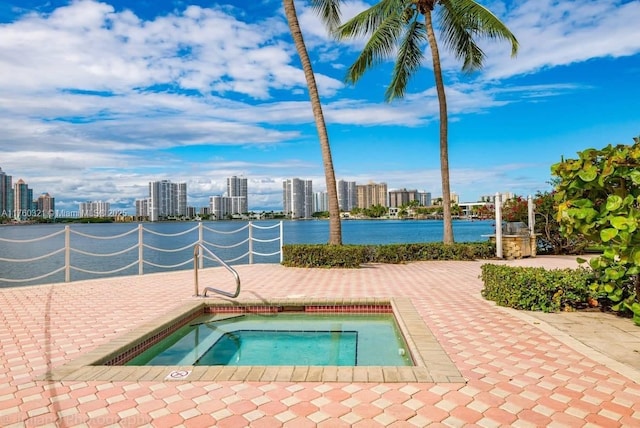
608,234
615,295
635,176
620,223
614,272
582,203
607,170
588,173
613,202
609,253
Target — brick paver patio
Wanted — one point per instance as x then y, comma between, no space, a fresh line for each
518,371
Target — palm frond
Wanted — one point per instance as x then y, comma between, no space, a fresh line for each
381,45
366,22
462,21
408,59
328,11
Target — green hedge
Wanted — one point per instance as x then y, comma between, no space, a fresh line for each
537,289
352,256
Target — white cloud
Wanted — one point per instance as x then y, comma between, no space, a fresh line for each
555,33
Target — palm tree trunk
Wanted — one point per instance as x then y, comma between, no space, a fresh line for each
444,127
335,227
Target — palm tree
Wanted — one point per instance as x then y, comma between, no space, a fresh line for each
403,27
330,15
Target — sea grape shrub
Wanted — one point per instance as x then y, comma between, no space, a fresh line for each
598,197
551,240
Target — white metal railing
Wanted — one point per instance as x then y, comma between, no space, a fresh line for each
70,246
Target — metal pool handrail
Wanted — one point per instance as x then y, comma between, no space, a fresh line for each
196,262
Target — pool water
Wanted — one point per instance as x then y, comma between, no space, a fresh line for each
283,339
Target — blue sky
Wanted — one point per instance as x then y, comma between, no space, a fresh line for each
99,98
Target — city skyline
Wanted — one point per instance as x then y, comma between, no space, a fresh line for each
166,198
198,91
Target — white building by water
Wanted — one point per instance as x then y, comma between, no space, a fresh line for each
297,198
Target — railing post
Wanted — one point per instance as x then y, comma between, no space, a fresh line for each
201,242
531,216
250,243
140,250
197,248
281,240
498,204
67,254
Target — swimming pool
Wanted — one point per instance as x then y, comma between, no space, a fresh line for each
283,339
107,362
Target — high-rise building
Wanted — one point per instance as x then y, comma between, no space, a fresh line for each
372,194
347,195
167,199
236,186
237,189
233,202
398,198
297,198
6,195
23,205
142,208
46,206
425,199
95,209
219,207
162,199
320,202
181,196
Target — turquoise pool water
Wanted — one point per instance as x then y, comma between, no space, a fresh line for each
283,339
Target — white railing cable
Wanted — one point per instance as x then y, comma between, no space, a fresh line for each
226,246
266,240
171,234
117,253
26,241
226,232
257,226
167,266
169,250
86,235
266,254
35,278
33,259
